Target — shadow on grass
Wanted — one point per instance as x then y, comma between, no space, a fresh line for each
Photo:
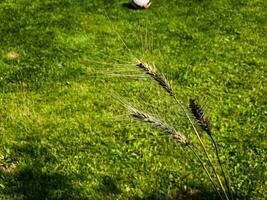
33,181
128,6
109,186
193,193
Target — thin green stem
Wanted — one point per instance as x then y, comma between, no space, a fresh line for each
205,169
220,163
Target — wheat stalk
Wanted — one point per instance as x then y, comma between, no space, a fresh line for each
203,121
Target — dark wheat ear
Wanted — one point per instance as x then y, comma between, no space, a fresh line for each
199,115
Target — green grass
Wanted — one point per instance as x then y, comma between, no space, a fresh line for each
60,137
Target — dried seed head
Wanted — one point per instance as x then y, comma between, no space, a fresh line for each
199,115
179,137
161,80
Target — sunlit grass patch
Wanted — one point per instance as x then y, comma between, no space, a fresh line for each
12,55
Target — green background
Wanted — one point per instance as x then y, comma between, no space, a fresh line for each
65,63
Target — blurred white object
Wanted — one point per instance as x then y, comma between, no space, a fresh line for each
141,3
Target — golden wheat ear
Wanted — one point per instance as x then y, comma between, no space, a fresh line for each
144,117
176,135
160,79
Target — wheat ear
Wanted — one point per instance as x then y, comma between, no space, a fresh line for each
176,135
160,79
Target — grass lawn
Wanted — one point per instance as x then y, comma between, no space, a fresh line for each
63,135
